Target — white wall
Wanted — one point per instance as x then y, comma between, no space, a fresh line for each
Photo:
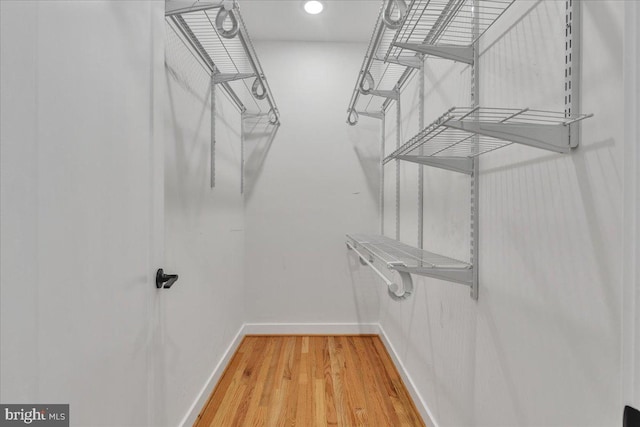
631,274
204,232
318,182
542,345
79,195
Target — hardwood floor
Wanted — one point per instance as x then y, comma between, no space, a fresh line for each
310,381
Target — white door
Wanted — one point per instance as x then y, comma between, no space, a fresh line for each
81,197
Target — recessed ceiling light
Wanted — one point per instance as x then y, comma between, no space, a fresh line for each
313,7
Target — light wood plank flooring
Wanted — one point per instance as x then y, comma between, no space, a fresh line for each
310,381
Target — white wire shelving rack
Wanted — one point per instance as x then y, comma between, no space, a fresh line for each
422,28
450,29
454,139
216,33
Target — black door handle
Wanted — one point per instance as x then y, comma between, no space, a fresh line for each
165,281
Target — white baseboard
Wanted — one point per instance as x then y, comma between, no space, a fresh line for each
310,328
421,405
207,389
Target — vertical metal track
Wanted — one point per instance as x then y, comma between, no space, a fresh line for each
475,181
421,167
213,132
572,77
382,151
398,136
242,118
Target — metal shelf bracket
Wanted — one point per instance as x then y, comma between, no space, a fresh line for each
548,137
414,62
389,94
229,77
455,164
455,53
463,277
379,116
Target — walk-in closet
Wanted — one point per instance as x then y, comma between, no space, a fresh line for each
320,213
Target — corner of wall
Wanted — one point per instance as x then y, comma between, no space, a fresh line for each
419,402
209,385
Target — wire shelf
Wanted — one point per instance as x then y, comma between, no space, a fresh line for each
394,253
231,60
408,259
445,28
445,22
470,132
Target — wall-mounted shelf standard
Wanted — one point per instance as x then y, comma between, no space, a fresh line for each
408,260
449,141
215,32
446,29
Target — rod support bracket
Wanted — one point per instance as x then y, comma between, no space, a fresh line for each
407,286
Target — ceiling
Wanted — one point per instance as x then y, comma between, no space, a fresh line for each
286,20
